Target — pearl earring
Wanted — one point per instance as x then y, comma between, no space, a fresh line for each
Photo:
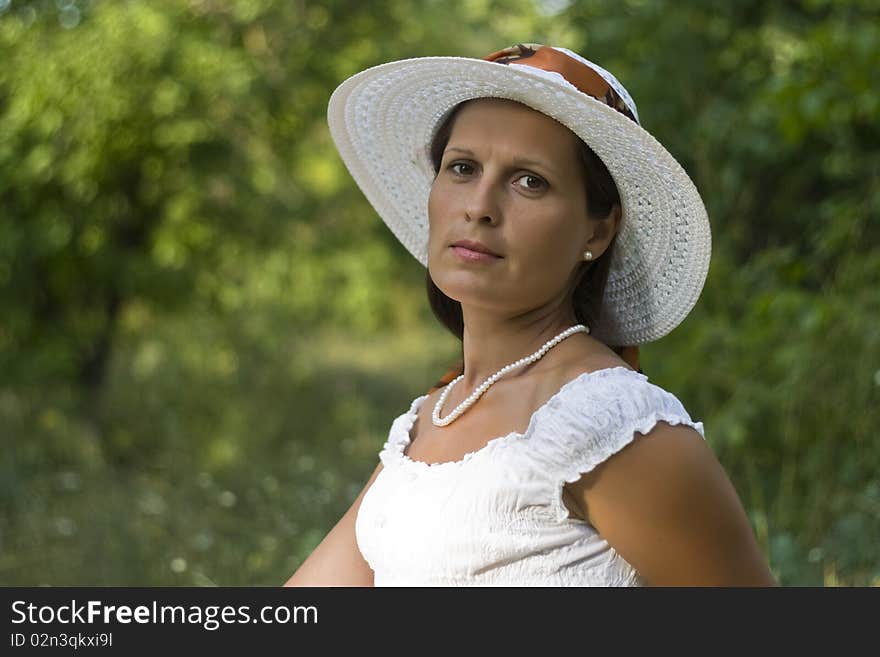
588,255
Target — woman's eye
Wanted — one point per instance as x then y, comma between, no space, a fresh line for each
459,164
533,183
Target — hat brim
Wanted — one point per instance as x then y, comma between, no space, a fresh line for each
383,119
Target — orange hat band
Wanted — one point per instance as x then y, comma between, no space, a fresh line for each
584,78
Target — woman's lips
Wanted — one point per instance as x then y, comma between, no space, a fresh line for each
473,256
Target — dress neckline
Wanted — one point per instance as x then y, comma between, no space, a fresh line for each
403,439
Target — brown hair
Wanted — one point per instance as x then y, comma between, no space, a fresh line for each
602,195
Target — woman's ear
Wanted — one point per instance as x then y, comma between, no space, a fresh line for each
604,231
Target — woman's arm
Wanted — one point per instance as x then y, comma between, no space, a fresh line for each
666,505
337,561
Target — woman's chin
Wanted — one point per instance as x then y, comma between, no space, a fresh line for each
467,290
469,284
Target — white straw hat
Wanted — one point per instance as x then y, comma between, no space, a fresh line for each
383,120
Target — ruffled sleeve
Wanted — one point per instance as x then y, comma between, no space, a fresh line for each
594,417
398,436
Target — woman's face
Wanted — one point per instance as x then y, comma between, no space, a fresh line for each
511,179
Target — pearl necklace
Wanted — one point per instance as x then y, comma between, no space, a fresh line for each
484,386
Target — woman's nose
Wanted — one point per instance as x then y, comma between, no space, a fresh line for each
482,202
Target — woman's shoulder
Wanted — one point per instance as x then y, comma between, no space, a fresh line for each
598,411
597,414
618,399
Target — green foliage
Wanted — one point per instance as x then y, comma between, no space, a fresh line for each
206,331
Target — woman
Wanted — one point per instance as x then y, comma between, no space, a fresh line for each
558,235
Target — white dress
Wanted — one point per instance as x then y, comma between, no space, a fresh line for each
496,517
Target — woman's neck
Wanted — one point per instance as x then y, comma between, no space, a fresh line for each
492,341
